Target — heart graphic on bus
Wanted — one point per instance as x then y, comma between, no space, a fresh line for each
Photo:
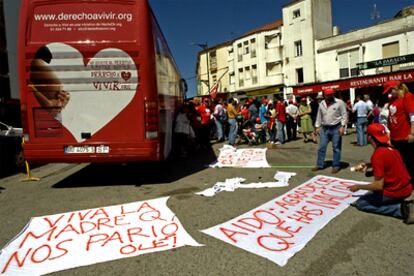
92,94
126,75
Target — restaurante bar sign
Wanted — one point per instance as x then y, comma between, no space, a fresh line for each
385,62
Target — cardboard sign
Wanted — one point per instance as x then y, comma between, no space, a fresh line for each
62,241
283,226
245,158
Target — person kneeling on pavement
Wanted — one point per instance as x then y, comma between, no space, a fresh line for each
391,185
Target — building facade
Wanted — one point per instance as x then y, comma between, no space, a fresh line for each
352,62
304,22
213,68
304,53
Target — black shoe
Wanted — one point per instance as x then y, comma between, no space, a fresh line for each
407,210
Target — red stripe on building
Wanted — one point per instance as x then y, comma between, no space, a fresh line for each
377,80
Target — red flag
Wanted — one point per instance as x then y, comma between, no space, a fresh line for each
214,90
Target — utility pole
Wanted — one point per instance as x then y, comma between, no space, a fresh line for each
204,46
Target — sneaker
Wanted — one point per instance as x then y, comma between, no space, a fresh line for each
407,210
277,143
335,170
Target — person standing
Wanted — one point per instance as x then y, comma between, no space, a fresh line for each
232,114
368,101
392,181
306,123
271,124
330,125
314,105
401,121
363,111
219,118
292,113
253,110
280,120
262,111
204,112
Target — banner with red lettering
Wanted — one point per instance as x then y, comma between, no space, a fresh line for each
246,158
283,226
62,241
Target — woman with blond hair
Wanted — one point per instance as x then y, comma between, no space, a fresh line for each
401,121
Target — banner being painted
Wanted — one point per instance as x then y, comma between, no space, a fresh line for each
62,241
283,226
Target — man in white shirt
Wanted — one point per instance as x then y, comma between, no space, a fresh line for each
330,125
292,113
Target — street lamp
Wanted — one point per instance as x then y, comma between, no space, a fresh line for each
204,46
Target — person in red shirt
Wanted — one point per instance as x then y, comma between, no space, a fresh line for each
205,114
280,120
401,121
392,182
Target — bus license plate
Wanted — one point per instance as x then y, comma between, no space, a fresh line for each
84,149
87,149
102,149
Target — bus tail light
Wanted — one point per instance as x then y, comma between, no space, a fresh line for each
151,120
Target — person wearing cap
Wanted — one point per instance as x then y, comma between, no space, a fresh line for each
292,113
391,185
330,125
401,121
363,111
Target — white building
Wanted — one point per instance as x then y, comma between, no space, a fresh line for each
255,62
212,67
337,58
304,21
250,65
305,54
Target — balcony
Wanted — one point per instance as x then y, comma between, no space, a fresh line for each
273,55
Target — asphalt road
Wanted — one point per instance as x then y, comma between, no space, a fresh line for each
354,243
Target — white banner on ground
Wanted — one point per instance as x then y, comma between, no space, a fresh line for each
283,226
245,158
229,185
62,241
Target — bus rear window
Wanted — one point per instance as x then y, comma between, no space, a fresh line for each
85,21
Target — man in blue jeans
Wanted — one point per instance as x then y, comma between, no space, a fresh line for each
392,182
330,125
363,111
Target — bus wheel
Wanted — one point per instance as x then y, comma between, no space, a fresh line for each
19,159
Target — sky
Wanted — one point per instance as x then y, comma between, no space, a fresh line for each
184,22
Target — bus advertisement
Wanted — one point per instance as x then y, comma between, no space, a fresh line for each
97,81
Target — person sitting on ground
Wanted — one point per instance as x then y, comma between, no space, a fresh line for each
392,182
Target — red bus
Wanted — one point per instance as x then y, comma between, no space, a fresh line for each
97,81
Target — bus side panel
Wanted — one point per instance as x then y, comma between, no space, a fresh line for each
86,80
168,86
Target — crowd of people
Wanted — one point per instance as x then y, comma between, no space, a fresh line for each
388,128
253,122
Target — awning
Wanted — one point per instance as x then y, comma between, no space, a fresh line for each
359,82
265,91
